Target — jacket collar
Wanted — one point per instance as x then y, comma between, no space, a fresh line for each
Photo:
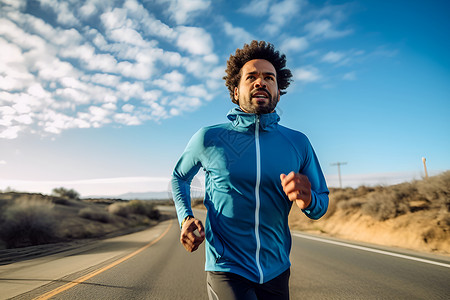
245,121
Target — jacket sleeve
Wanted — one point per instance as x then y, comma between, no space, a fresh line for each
319,189
186,168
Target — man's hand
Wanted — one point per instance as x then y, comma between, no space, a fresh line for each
192,234
298,188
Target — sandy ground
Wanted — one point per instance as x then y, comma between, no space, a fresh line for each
422,231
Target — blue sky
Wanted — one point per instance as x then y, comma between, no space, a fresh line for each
102,96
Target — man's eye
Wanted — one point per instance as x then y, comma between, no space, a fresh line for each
251,77
269,78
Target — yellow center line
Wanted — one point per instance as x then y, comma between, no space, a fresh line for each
82,279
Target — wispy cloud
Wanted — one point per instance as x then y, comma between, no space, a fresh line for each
276,14
324,29
256,8
182,10
62,73
307,74
294,44
238,34
349,76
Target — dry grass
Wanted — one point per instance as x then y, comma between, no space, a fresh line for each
33,219
413,215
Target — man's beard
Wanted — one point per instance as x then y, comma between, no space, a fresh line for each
251,108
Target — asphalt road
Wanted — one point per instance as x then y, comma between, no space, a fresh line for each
153,265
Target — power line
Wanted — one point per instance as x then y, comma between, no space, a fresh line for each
339,164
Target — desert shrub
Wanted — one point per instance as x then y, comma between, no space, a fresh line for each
436,190
363,190
354,203
25,223
66,193
119,209
379,206
145,208
61,201
340,195
95,215
385,205
331,208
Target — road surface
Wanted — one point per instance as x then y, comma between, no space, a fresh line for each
152,264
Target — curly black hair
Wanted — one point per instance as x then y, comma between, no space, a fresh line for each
256,50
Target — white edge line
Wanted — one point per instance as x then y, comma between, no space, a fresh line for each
372,250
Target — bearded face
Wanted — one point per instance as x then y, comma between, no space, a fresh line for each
258,91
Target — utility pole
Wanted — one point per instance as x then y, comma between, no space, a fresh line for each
338,164
425,166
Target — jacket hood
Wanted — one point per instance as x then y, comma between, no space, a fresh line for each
246,121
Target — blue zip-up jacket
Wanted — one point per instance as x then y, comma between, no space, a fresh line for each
246,226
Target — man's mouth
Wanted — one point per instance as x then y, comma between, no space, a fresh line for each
261,95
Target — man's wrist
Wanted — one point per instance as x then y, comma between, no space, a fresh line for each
185,219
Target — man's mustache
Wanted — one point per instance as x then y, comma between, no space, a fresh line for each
261,90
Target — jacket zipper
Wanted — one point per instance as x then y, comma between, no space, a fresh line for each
258,182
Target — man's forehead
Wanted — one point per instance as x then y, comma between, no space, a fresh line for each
258,66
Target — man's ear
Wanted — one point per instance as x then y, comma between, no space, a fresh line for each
236,94
278,96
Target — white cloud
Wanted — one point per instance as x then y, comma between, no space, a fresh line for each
171,82
275,15
99,114
55,69
294,44
70,94
148,23
184,103
24,119
195,40
333,57
55,122
280,13
128,108
14,76
109,106
105,79
22,107
77,65
349,76
36,90
129,90
325,29
127,119
238,34
15,4
198,91
64,13
307,74
183,10
7,110
10,132
257,8
128,36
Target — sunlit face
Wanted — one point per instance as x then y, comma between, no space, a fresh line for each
258,91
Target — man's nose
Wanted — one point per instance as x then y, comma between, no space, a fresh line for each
260,83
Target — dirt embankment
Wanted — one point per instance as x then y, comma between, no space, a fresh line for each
35,219
413,215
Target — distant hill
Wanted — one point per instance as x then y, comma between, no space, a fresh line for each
163,195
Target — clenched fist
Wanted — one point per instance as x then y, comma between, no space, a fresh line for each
298,188
192,234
